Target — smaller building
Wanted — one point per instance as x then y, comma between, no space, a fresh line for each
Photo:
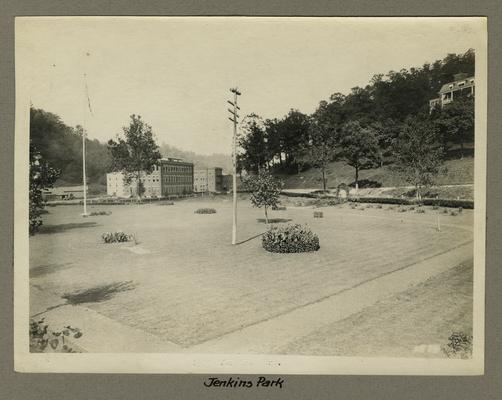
208,180
64,193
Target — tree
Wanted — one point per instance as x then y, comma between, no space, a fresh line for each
265,190
319,151
293,130
456,122
253,142
359,147
135,155
419,154
42,176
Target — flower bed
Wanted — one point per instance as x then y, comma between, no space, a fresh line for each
290,239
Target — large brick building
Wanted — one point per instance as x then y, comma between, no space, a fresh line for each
208,180
170,177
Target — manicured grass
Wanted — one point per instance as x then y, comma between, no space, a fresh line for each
424,315
189,284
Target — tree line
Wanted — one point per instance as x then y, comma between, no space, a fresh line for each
369,127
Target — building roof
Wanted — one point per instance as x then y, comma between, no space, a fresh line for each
457,85
174,160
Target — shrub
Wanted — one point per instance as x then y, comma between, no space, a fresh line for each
453,213
412,208
459,345
460,209
116,237
402,209
279,208
378,206
290,239
205,211
40,337
166,203
318,214
94,213
435,207
445,211
420,211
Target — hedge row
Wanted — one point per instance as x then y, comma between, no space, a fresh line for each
308,195
468,204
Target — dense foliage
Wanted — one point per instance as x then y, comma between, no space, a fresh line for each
61,146
363,125
290,239
42,176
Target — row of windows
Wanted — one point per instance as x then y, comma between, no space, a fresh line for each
178,179
177,168
178,189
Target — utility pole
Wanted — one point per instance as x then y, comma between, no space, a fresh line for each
234,118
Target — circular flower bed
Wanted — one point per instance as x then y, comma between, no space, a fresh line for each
290,239
205,211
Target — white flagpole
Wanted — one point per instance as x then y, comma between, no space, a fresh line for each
86,104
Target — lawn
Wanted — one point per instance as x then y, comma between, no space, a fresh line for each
402,325
186,283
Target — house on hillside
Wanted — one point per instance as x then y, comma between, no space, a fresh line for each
460,87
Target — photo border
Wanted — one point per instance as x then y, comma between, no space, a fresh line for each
493,275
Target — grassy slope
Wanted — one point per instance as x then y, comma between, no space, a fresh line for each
459,171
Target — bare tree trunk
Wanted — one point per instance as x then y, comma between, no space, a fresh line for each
323,180
266,215
138,184
357,178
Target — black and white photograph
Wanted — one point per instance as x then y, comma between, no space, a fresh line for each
287,195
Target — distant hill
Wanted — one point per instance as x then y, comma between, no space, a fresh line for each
200,161
61,146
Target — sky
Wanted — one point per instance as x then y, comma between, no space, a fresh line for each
176,72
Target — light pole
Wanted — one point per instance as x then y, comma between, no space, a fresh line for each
234,119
